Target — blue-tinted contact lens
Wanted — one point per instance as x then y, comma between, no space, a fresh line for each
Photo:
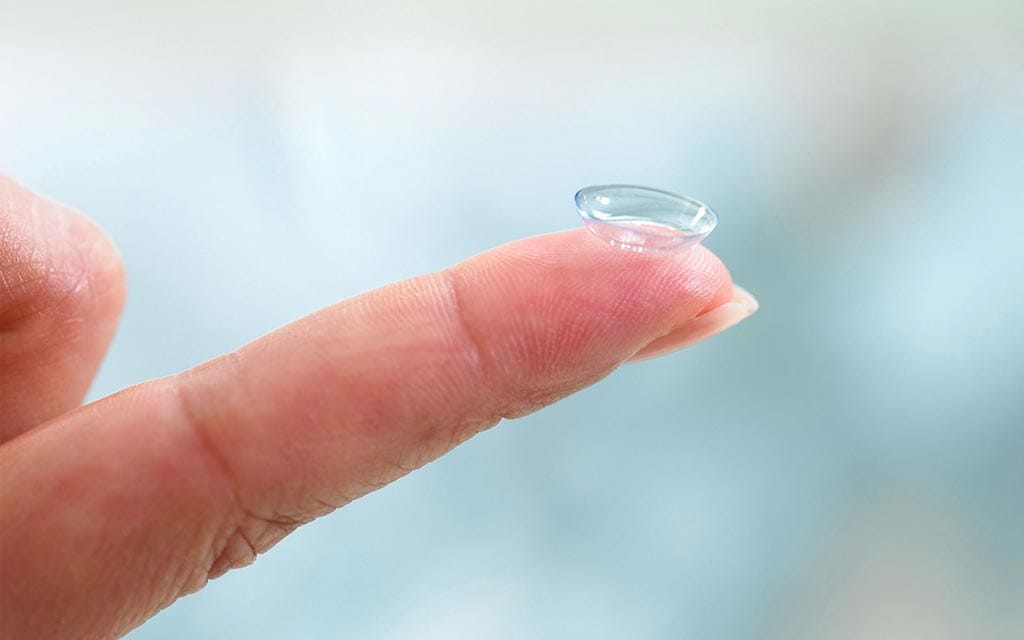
643,219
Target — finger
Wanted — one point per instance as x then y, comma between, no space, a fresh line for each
741,306
61,291
144,495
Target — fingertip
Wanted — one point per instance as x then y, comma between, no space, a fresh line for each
740,306
567,305
61,292
56,261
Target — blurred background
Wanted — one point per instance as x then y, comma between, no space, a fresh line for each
848,463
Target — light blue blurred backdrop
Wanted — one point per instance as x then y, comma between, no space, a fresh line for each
848,463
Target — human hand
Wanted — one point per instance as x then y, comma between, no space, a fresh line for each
111,511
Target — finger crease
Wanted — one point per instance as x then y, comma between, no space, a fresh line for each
240,527
483,371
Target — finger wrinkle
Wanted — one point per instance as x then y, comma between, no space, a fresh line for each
245,533
482,369
225,546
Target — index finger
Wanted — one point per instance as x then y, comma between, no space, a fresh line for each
145,495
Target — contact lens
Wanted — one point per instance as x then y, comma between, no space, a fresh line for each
644,219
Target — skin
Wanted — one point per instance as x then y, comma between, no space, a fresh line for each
111,511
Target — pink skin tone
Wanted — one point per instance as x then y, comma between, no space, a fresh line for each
113,510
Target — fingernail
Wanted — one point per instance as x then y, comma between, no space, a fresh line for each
741,306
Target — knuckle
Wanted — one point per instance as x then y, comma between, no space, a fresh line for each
247,522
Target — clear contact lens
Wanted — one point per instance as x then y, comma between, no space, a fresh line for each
644,219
